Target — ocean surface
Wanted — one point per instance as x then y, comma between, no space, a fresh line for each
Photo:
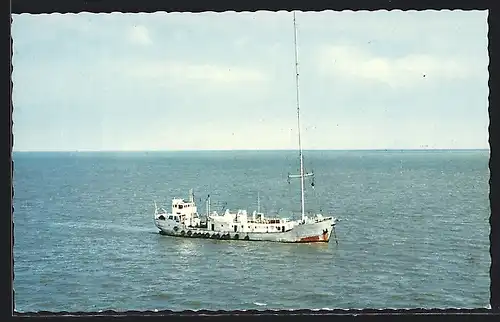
414,231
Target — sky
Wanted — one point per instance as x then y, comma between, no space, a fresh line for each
223,81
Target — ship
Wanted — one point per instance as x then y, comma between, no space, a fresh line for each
184,220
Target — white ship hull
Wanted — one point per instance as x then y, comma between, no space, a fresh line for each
301,233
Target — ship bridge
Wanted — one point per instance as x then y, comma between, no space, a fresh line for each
183,207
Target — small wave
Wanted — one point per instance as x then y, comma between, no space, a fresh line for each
315,296
161,296
194,304
260,304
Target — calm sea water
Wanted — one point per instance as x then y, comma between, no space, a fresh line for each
414,231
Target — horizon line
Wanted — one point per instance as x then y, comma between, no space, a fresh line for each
252,150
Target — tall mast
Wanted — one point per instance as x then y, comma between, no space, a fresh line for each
302,197
302,174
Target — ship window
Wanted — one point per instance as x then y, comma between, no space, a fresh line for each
180,206
175,206
222,225
170,217
242,226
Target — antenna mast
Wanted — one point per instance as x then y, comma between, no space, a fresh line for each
302,174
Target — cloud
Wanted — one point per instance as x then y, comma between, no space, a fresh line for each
241,42
183,71
220,135
404,71
139,35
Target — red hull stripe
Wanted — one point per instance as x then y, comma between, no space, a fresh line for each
310,239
